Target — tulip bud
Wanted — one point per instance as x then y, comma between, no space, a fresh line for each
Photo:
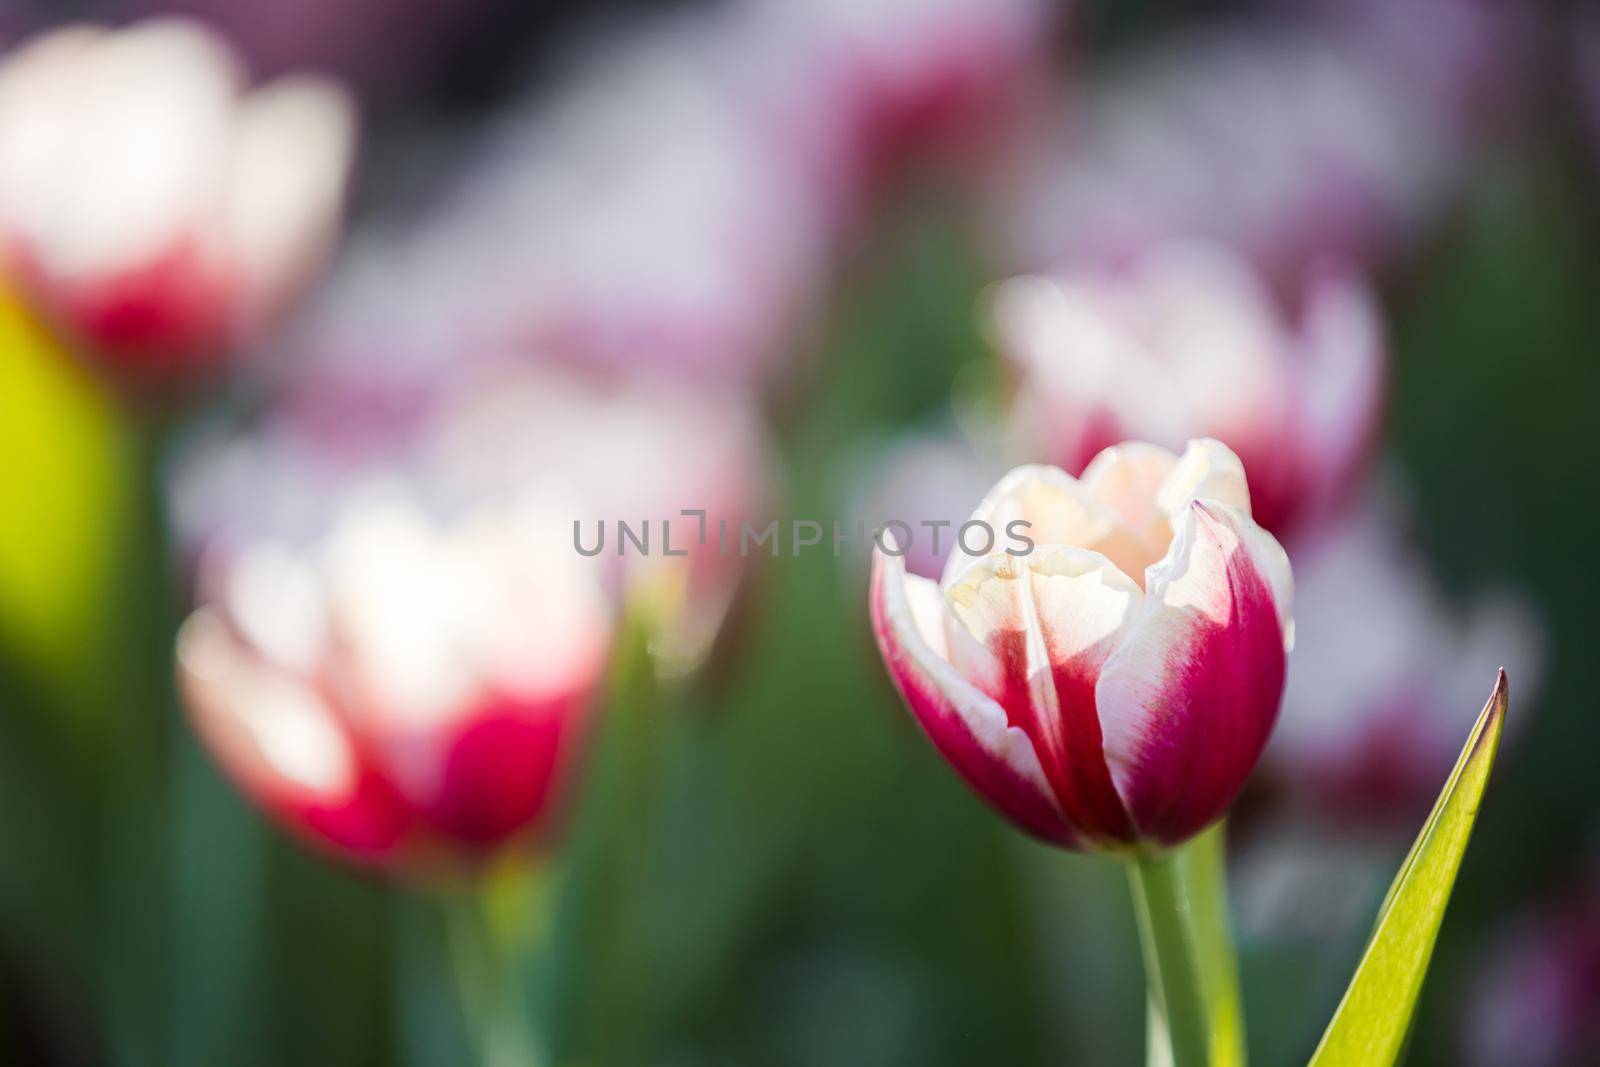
1108,680
1190,342
157,214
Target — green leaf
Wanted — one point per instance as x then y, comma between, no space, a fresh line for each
1373,1020
65,479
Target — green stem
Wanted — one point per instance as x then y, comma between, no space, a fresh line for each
486,955
1173,968
1203,866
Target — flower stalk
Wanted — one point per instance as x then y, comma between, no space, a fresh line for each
1180,901
491,931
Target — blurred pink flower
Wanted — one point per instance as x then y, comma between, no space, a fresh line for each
665,209
673,203
1189,341
398,640
1288,143
903,79
1389,675
636,451
1535,1002
405,690
159,215
1113,682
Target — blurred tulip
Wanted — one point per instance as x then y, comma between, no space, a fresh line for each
222,202
1382,691
659,212
904,78
640,452
674,203
1189,341
399,638
1290,145
1534,1002
1112,685
400,688
392,656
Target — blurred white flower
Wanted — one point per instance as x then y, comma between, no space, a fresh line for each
661,209
632,451
158,213
1188,341
673,200
404,688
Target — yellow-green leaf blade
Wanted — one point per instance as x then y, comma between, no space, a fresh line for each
1373,1019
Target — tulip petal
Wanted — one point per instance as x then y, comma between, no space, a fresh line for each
1033,633
1188,700
996,759
288,165
1059,510
501,766
280,741
1207,470
1126,478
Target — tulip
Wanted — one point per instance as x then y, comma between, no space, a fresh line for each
158,215
398,641
401,690
396,649
1189,341
1110,686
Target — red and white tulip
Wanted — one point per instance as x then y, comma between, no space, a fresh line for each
157,213
1189,341
1113,686
405,690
